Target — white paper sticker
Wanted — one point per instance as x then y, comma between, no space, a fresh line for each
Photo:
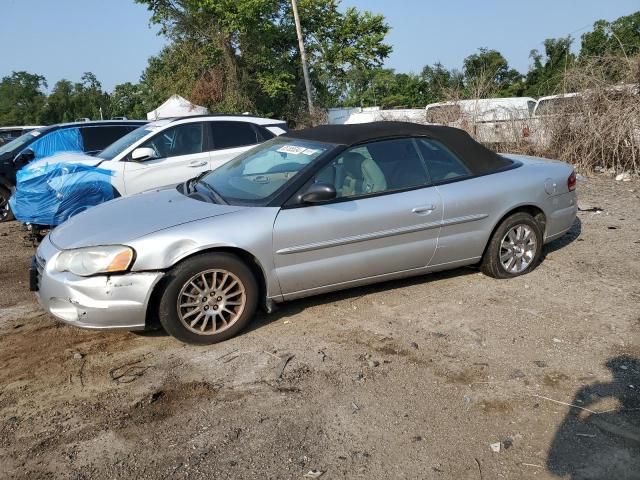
291,149
309,151
35,133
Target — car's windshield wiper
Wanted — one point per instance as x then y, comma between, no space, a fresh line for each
189,184
218,198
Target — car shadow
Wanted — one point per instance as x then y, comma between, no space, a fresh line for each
571,236
600,442
293,307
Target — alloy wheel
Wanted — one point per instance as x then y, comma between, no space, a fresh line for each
518,248
211,302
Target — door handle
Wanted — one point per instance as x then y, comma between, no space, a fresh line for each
424,210
197,163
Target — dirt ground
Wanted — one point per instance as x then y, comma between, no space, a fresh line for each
408,379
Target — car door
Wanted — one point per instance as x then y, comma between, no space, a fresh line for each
385,219
229,139
467,201
180,154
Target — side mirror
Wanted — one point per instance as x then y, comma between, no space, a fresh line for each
143,153
24,157
319,192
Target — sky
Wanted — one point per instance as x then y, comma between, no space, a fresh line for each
113,38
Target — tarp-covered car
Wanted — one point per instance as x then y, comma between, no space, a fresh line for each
52,193
78,137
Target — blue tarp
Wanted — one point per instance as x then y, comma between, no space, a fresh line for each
50,194
63,140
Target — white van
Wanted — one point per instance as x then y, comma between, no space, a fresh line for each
490,120
349,116
553,104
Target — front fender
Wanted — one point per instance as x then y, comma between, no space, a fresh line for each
249,230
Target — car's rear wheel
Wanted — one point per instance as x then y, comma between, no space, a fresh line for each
514,248
5,210
208,299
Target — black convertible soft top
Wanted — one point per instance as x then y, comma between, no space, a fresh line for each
476,157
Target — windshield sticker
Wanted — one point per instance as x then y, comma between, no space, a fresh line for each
309,151
292,149
35,133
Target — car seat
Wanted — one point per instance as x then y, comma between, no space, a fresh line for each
360,175
188,140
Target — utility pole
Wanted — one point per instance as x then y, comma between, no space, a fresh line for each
303,55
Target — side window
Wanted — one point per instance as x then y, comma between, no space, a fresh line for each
264,134
98,138
442,163
376,167
57,141
232,134
444,114
185,139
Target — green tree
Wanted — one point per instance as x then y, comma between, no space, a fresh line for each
89,100
70,101
487,74
441,83
546,75
607,50
21,98
620,37
127,101
243,54
384,88
59,106
179,68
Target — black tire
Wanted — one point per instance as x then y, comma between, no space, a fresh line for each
180,277
6,214
491,264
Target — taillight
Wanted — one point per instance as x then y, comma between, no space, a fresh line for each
571,181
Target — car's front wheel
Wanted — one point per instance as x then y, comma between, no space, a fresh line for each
515,247
5,210
208,298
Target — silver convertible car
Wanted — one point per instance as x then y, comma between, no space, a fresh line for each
312,211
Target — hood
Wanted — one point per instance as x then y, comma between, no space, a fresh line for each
65,157
124,219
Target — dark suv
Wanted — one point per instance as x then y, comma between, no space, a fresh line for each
11,133
85,137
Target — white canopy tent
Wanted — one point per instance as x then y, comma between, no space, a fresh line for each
176,106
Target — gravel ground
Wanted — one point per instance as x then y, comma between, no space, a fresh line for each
407,379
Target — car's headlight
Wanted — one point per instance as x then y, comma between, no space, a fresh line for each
92,260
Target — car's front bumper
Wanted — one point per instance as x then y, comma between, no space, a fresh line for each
99,302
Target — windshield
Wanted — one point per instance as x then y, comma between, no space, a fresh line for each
261,172
120,145
559,105
21,141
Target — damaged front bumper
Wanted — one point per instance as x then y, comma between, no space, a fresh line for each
98,302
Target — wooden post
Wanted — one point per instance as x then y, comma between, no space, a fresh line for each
303,55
